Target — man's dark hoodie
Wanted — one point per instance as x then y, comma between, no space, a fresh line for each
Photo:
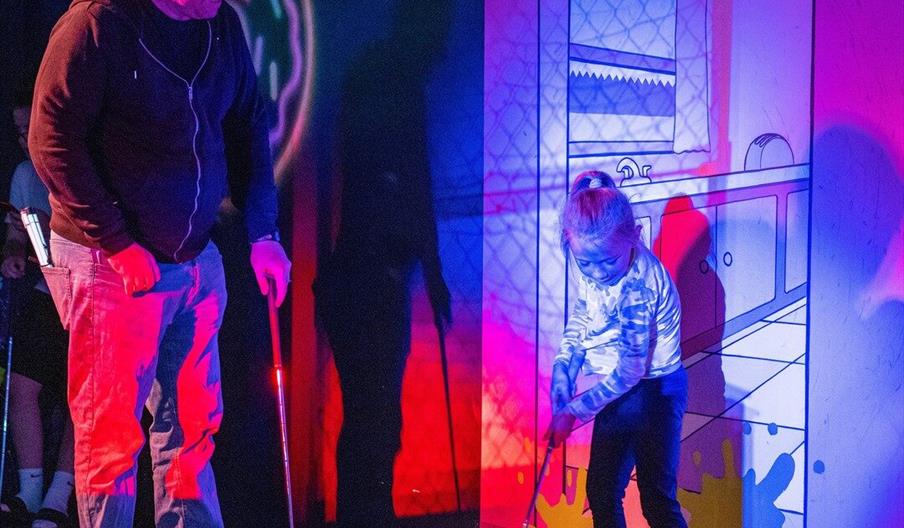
131,149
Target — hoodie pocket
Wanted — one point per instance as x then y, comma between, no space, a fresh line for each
59,282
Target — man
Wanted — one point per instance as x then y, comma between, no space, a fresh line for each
146,116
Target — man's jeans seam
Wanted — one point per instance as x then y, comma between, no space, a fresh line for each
92,512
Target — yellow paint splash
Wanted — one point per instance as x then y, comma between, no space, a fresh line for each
718,505
565,512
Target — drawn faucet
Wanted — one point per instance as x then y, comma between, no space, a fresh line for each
633,174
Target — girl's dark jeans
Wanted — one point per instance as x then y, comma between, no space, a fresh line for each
641,428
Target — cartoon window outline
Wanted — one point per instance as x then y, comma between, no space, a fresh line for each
636,91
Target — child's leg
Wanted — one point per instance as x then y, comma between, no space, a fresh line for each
65,458
57,496
28,438
657,449
611,461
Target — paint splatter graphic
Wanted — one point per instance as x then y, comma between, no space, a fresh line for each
759,499
572,511
732,501
719,502
819,467
567,512
728,502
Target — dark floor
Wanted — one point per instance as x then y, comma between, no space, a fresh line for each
468,519
464,520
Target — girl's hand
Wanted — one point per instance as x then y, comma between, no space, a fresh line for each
560,427
560,390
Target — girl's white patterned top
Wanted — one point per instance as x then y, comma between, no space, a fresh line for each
629,330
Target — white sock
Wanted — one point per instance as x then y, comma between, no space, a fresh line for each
57,497
31,485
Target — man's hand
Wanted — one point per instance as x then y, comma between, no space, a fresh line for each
268,259
137,267
13,267
560,427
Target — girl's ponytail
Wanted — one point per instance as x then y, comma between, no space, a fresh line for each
597,212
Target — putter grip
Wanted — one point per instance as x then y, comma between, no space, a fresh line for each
273,313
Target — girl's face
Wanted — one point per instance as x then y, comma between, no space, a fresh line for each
604,264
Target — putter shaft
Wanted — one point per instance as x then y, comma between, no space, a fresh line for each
280,395
533,501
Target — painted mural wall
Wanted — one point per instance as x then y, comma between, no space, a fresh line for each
701,111
855,474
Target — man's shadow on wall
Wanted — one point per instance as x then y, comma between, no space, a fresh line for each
387,230
857,212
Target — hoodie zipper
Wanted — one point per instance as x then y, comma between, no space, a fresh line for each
190,85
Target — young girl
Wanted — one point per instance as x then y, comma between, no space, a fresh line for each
624,330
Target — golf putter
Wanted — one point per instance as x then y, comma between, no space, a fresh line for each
574,366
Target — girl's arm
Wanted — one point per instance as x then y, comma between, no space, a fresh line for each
575,332
635,317
567,361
